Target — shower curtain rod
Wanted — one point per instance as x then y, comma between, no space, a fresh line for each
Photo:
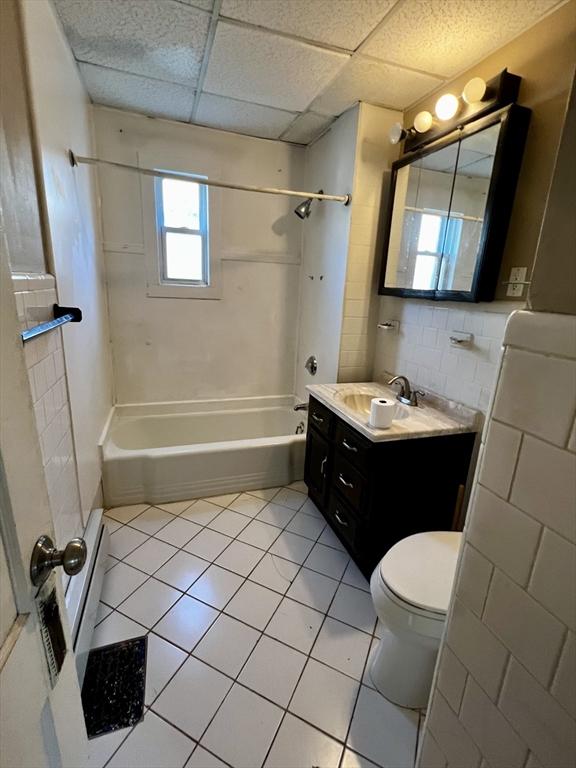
77,159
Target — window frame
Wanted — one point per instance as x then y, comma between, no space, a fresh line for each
203,232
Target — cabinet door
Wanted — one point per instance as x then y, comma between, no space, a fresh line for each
316,467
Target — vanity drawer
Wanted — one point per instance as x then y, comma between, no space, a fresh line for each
319,417
349,482
342,520
352,445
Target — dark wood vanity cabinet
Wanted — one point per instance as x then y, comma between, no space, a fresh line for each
374,494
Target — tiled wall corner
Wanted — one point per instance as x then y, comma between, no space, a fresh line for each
422,351
45,363
505,686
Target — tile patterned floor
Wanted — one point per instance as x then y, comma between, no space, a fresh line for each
259,633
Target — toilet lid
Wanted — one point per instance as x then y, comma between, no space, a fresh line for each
420,569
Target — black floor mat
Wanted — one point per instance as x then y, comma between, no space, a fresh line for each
114,684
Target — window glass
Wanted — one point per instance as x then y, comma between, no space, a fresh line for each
184,260
181,204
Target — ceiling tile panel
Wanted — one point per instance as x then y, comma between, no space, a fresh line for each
207,5
307,127
242,117
254,65
444,37
343,23
163,40
370,80
139,94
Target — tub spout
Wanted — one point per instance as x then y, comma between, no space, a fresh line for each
301,407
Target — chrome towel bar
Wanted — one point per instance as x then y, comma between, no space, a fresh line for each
62,315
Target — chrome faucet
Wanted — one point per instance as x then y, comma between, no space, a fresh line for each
301,407
406,395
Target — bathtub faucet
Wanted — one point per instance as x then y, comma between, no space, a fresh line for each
301,407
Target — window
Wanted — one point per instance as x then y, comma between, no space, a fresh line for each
182,223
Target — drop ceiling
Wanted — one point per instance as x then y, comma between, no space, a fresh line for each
281,69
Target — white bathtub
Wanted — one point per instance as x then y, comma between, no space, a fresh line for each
173,451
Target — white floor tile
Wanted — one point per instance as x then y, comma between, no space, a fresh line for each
114,629
162,660
203,759
151,555
298,485
208,544
247,505
227,645
151,520
309,508
182,570
352,760
110,563
313,589
382,731
101,613
292,547
243,728
355,578
259,534
306,525
240,558
297,744
178,532
276,515
191,698
330,539
342,647
125,514
176,507
290,499
330,562
325,698
121,582
153,744
295,624
202,512
216,586
355,607
125,540
366,679
186,622
101,749
228,522
111,525
273,670
149,602
253,604
265,493
223,500
275,572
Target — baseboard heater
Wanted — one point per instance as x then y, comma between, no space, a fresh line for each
84,590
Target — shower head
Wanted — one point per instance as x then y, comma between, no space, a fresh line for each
303,210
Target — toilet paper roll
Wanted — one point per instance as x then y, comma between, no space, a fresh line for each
381,412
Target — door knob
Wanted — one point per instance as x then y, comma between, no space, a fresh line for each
45,557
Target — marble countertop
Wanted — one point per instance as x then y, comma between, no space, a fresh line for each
433,416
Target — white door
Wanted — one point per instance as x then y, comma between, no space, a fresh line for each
41,720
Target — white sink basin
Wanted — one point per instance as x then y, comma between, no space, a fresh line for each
360,404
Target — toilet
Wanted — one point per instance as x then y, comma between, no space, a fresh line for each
411,588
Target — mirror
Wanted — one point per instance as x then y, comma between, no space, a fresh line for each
441,213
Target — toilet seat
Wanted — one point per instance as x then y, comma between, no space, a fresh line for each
419,571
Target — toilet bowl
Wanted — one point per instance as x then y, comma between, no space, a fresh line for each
411,588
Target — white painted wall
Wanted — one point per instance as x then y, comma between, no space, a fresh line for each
242,344
62,116
325,234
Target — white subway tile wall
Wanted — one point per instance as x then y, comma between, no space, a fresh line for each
421,348
505,687
45,363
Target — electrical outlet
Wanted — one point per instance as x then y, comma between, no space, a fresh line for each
516,282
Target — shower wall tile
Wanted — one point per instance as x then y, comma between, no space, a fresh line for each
518,708
45,363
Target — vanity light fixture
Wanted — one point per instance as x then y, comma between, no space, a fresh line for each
447,106
423,122
474,90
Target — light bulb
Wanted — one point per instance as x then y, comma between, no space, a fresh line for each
474,90
423,122
446,106
396,133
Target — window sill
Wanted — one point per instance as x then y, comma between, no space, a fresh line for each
166,291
